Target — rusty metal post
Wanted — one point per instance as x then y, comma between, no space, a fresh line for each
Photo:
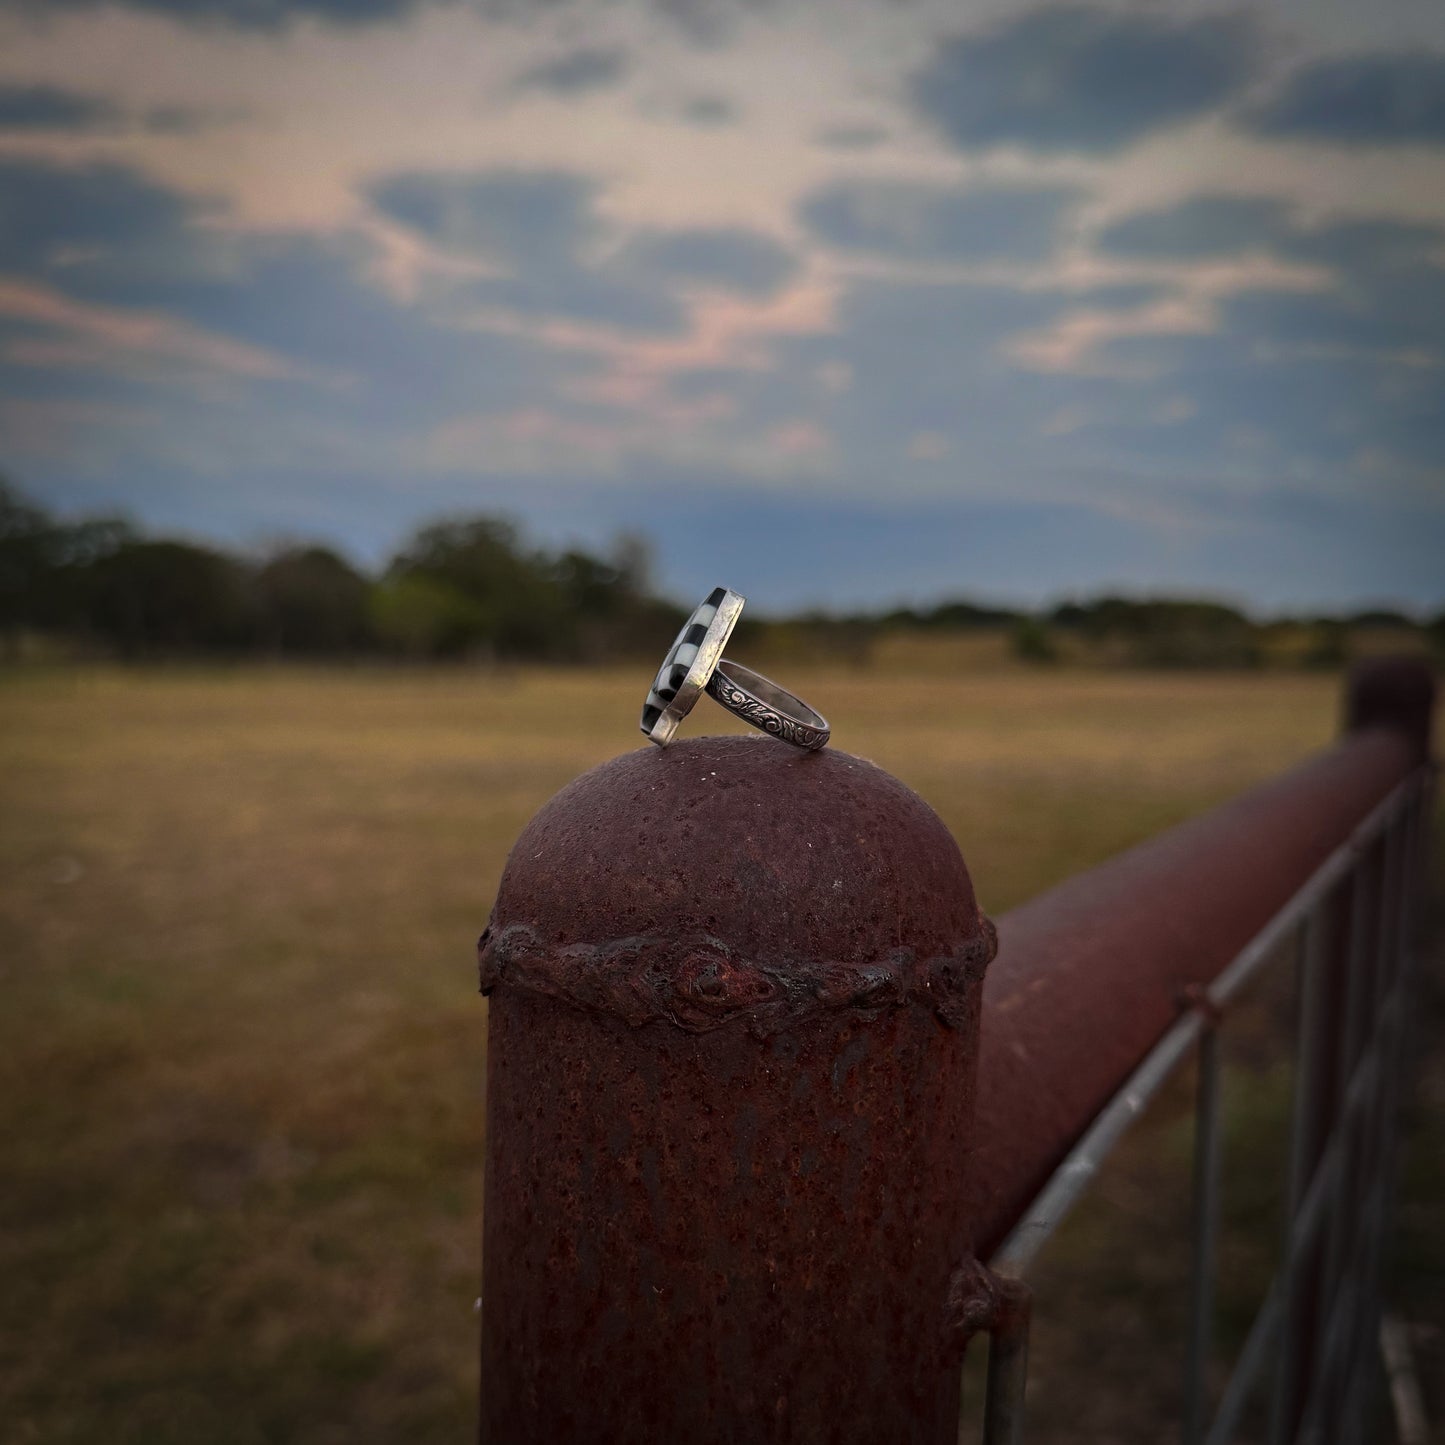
1396,693
1393,692
733,1034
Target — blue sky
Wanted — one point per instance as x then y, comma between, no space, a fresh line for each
841,304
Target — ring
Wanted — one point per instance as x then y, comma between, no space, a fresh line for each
760,701
694,664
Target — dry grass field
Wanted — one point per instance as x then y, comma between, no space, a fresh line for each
241,1051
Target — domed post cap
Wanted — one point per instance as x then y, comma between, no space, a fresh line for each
730,877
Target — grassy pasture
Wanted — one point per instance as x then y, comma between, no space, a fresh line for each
241,1053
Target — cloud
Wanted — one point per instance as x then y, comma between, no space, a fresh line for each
705,23
1138,396
1074,343
607,297
47,107
1274,404
1080,79
1211,226
536,228
1385,273
585,69
733,259
1387,298
261,15
100,226
1360,100
916,222
92,335
512,215
928,446
1370,244
708,24
1203,226
708,111
115,291
1353,305
187,120
1285,382
543,442
921,358
852,137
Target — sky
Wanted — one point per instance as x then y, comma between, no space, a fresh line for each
840,304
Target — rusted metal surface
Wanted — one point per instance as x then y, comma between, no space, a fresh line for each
733,1035
1397,693
1093,973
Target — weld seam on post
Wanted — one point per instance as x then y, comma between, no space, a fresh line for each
699,983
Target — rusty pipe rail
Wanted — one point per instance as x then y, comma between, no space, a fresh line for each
1091,974
1271,878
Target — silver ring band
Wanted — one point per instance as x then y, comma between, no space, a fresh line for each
761,702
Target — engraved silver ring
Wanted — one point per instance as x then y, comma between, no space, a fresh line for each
695,664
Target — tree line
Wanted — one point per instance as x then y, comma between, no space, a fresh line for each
471,587
461,587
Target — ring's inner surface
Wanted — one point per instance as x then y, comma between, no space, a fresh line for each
767,691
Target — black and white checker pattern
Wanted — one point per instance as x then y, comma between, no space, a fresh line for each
679,660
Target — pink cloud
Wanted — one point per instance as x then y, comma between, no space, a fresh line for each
111,337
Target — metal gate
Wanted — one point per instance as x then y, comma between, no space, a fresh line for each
1314,1340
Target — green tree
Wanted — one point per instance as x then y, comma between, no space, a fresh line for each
312,602
1163,632
151,597
27,558
1329,645
1032,642
1435,631
45,564
520,609
421,617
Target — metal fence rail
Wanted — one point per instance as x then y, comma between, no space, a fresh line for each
1316,1331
